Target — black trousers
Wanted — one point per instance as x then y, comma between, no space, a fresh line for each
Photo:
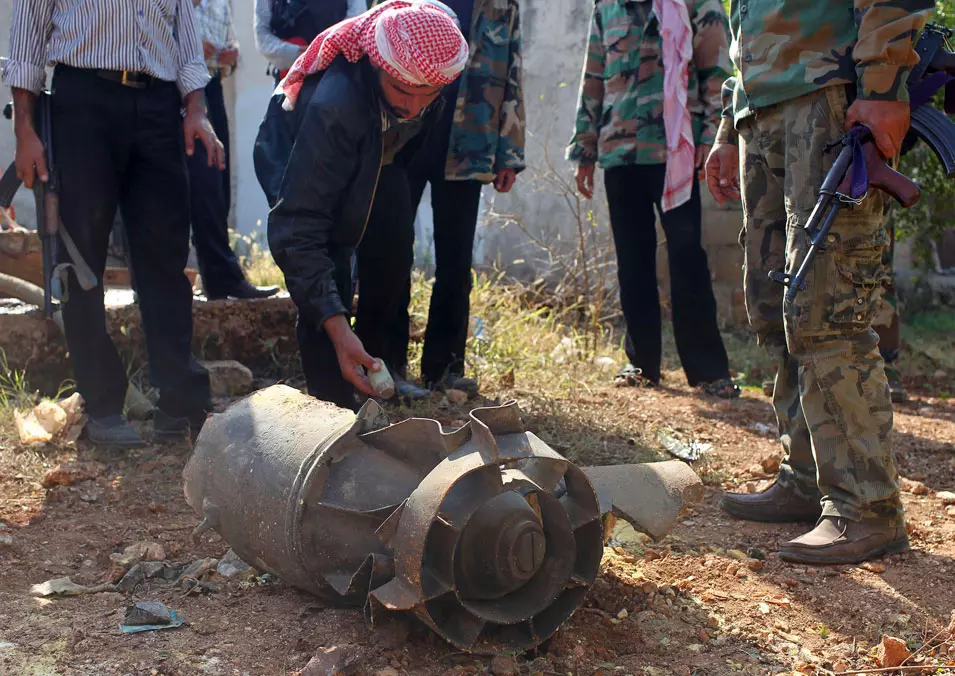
455,206
633,192
210,192
385,256
118,146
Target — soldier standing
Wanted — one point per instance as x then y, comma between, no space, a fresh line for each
806,74
650,132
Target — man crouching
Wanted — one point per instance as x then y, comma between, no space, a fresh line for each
330,141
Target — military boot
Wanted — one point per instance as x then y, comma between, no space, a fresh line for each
836,540
777,504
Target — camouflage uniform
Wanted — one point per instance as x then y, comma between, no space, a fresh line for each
797,60
620,114
488,131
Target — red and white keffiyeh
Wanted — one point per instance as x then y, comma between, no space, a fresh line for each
417,42
677,34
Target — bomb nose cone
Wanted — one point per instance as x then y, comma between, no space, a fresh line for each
502,547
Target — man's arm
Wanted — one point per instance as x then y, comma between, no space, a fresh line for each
583,144
320,167
190,62
712,62
510,140
884,56
24,74
279,53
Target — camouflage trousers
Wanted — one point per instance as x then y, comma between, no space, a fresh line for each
831,395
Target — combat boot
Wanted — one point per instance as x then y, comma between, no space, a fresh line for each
777,504
836,540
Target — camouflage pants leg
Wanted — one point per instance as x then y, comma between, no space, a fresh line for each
843,396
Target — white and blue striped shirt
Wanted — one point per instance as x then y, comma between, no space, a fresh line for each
156,37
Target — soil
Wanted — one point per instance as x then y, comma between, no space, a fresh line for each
710,598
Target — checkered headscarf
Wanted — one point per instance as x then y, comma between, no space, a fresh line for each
417,42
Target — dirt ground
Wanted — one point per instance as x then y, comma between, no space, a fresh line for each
711,598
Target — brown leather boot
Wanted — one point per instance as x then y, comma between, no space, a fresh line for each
777,504
835,540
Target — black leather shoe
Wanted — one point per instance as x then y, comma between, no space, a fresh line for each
408,391
168,428
777,504
113,431
246,291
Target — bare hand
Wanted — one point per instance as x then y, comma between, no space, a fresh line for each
30,154
196,125
702,152
351,354
208,49
585,180
722,172
504,180
887,120
228,57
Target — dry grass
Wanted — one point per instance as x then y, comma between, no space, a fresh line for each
256,260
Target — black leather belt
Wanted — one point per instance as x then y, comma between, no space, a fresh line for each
127,78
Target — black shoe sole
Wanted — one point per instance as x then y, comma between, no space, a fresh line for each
899,546
749,514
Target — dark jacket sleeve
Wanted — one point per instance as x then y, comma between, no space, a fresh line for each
320,167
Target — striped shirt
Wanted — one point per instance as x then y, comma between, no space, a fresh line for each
155,37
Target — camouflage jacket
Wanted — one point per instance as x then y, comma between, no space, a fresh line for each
488,130
783,49
620,109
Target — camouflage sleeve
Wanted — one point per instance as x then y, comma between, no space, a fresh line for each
885,51
583,145
712,61
510,140
726,133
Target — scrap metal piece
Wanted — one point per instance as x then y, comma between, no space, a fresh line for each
649,496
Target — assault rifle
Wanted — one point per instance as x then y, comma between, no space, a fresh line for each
859,166
47,198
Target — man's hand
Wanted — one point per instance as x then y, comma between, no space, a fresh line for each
504,180
351,354
887,120
585,180
702,152
30,158
208,50
228,56
30,154
722,172
196,125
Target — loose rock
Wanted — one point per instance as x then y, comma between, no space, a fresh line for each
147,613
874,567
231,565
71,473
914,487
457,397
138,552
335,661
947,497
891,652
228,378
770,464
504,666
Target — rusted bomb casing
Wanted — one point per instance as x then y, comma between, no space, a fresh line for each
486,534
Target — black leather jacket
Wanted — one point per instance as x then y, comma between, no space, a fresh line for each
321,196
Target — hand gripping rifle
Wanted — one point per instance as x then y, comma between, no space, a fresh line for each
859,165
47,198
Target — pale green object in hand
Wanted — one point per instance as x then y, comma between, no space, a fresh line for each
382,382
